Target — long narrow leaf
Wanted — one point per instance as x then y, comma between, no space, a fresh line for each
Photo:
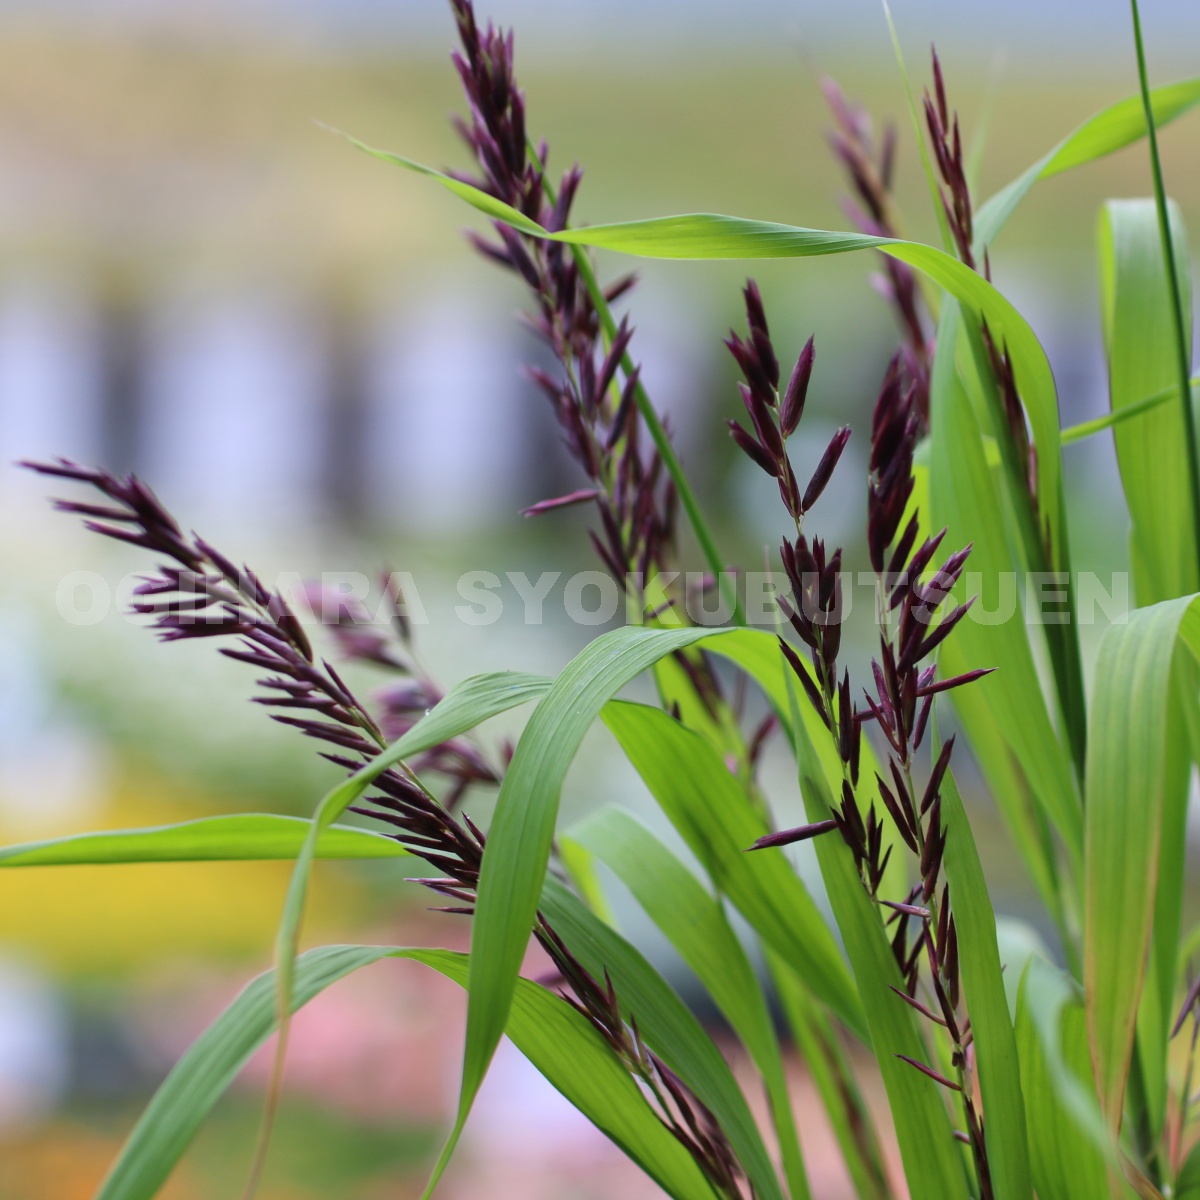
847,1111
462,708
240,838
932,1167
696,925
709,809
1126,775
714,236
559,1042
466,705
1108,420
1062,1115
983,983
965,500
522,829
664,1021
1151,451
1115,127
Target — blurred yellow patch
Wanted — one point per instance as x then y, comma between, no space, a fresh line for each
66,1162
92,920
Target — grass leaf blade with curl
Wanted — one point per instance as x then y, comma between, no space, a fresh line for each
557,1040
522,829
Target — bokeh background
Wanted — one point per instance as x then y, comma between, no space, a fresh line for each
293,344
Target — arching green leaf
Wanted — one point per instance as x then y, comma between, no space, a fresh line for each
239,838
697,927
522,829
709,808
559,1042
1115,127
1127,772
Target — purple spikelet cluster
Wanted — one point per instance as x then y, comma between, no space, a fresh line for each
594,391
775,416
199,592
692,1123
914,621
411,692
946,139
955,192
871,171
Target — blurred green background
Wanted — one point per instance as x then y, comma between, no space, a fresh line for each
293,344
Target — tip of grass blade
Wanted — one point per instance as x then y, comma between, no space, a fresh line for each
443,1161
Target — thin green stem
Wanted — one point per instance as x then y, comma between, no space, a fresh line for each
1182,360
1085,429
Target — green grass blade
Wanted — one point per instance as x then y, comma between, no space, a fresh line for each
1187,1185
710,810
1181,327
1156,1013
983,985
1066,1133
933,1168
1139,338
573,1056
462,708
833,1077
209,1066
1030,547
965,499
522,829
1108,131
466,705
663,1020
476,198
580,865
713,236
245,837
1126,775
695,924
559,1042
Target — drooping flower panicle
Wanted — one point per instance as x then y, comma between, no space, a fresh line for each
199,592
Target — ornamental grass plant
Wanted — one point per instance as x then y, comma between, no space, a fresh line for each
1009,1071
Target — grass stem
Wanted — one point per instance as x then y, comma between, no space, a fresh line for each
1182,357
